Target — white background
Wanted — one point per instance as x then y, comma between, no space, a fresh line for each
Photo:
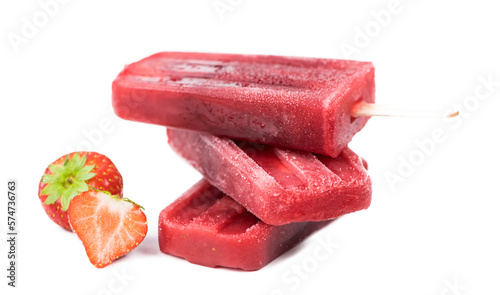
434,232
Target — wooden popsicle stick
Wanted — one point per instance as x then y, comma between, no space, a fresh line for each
363,109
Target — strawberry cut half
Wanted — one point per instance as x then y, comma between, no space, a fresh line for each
108,226
71,175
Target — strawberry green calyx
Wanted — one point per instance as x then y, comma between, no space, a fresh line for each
67,181
125,200
117,197
130,201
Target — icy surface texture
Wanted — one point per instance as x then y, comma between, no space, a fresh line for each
277,185
206,227
297,103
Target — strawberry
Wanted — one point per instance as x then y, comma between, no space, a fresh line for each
109,226
71,175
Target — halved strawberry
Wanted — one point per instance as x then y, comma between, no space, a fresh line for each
108,226
71,175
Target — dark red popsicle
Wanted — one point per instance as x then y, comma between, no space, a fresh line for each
206,227
278,186
292,102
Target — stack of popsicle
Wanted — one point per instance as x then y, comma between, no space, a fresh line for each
269,134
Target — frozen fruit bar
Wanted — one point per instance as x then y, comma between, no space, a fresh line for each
206,227
278,186
291,102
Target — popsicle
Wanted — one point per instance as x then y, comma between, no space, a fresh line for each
278,186
206,227
291,102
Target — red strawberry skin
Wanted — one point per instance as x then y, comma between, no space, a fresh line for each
108,226
107,178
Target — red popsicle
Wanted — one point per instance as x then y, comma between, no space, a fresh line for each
206,227
278,186
292,102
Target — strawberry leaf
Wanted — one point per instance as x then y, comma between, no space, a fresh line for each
67,180
73,162
80,162
49,178
84,173
52,198
79,186
54,188
65,199
86,176
55,169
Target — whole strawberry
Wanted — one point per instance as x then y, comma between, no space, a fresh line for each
72,175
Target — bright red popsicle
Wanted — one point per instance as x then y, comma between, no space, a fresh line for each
278,186
292,102
206,227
